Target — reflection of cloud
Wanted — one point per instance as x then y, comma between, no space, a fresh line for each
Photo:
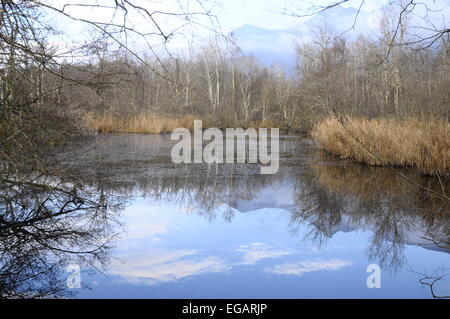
299,268
159,266
145,229
163,266
254,252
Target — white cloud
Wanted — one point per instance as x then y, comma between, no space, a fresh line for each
166,266
137,231
158,265
302,267
255,252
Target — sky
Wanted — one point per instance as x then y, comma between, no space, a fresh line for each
231,14
268,13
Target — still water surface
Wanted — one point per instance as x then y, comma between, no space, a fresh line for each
309,231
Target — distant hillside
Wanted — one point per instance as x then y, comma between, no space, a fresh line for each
278,46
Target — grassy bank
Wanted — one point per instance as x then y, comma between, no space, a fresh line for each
420,143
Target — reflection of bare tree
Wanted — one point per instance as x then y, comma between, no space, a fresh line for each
344,197
315,208
388,251
150,172
45,226
330,198
196,190
433,280
438,231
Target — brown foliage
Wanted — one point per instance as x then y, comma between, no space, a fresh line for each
420,143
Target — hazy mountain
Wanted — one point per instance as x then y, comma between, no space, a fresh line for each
278,46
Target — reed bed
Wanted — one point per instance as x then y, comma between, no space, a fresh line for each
410,142
141,123
150,123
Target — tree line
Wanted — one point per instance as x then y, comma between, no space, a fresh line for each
41,92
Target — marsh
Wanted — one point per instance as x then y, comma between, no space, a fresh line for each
166,230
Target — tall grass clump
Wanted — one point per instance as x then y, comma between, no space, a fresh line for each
145,123
423,143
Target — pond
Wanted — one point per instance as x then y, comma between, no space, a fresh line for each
205,231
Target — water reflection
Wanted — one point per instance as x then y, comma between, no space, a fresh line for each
46,224
334,198
184,222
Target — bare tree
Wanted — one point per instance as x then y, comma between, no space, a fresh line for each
434,32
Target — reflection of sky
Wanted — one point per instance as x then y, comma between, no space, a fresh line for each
169,251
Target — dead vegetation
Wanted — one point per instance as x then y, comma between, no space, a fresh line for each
412,142
145,123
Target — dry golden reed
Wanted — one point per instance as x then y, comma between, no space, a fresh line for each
141,123
151,123
412,142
